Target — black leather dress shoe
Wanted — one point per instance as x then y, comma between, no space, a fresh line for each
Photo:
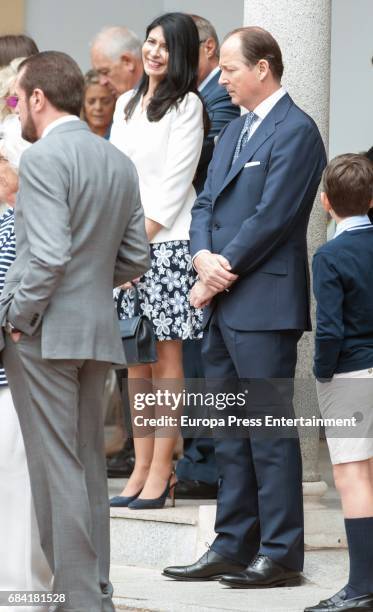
211,566
195,489
262,572
120,465
339,603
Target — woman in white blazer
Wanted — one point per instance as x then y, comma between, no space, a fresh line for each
160,126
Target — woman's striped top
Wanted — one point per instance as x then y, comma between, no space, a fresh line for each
7,256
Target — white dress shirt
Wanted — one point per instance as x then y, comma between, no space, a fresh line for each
57,122
208,78
166,155
261,111
350,223
264,108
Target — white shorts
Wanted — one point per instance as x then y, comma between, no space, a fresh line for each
348,395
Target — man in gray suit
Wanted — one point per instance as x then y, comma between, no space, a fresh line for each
80,231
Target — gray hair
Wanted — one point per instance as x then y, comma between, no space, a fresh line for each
115,40
12,145
206,30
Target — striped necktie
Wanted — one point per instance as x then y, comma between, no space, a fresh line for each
244,136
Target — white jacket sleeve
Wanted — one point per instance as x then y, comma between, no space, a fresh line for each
116,136
182,156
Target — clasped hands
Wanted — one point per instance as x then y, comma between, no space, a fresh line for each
214,277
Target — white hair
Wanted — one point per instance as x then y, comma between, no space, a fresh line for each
12,145
115,40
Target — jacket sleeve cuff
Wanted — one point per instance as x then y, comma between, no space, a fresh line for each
322,376
26,325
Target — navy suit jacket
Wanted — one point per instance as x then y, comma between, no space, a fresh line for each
221,111
257,217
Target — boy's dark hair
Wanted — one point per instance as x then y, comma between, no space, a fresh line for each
58,76
348,183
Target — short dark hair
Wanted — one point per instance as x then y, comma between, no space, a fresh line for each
58,76
257,44
206,30
181,36
348,183
16,45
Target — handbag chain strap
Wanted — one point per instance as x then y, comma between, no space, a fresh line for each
136,301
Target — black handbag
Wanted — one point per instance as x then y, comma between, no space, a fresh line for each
138,338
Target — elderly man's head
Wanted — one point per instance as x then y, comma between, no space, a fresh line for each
116,55
208,47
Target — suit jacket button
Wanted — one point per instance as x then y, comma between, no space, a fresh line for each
216,226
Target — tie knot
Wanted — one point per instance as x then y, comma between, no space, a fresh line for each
250,117
245,133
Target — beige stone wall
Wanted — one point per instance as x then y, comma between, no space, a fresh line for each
302,30
12,17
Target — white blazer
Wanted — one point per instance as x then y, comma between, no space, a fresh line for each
166,155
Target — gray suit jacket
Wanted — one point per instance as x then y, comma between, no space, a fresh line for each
79,232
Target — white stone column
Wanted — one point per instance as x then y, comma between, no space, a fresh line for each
302,29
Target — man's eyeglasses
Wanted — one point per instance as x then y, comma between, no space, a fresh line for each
11,101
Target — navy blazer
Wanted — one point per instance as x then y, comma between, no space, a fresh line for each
221,111
342,274
257,217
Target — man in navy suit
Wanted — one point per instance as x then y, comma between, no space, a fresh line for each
196,470
248,241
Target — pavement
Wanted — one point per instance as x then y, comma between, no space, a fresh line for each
140,589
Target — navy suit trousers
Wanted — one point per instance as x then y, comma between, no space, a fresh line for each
198,461
260,502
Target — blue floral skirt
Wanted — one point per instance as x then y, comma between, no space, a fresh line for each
164,293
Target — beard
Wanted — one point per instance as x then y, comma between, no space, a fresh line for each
29,132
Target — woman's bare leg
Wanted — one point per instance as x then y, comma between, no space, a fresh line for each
144,444
170,369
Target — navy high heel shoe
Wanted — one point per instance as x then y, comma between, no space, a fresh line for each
158,502
122,502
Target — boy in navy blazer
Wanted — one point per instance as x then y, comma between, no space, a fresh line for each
342,273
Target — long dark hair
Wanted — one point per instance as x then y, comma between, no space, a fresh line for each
181,36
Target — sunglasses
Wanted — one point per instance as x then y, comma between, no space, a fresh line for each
11,101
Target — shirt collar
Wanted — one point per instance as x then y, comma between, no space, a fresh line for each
208,78
57,122
351,223
266,106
